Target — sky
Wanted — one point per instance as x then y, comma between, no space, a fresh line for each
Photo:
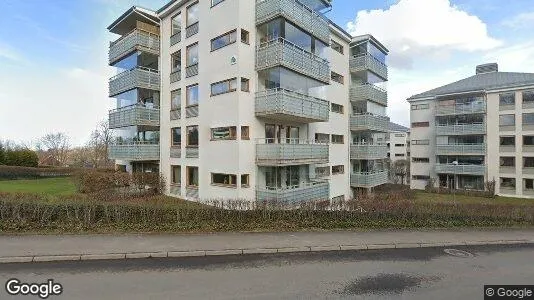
54,72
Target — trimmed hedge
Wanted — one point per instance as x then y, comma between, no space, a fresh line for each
19,157
16,172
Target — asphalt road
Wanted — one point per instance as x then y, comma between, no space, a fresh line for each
427,273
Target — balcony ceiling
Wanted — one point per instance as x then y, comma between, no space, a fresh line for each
128,21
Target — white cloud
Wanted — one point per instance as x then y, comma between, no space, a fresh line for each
412,29
10,53
514,58
522,20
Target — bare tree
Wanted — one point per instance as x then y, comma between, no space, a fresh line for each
57,146
99,144
400,169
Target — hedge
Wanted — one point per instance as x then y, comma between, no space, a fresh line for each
16,172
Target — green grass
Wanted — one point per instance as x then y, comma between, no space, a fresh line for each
428,197
62,186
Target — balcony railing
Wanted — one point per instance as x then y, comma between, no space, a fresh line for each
135,151
475,108
281,104
368,179
191,70
191,152
139,77
298,13
135,40
176,114
461,169
462,129
311,191
292,152
191,111
191,30
462,149
364,92
364,122
280,52
175,189
176,151
133,115
176,38
367,62
367,151
176,76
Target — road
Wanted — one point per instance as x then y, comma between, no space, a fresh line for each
423,273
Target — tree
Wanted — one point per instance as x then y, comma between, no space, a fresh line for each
400,168
57,146
98,145
2,153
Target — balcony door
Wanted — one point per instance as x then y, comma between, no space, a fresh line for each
275,133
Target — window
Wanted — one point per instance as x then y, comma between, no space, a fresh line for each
223,133
508,182
399,135
528,162
337,108
528,140
337,77
245,36
528,97
338,170
245,180
336,46
507,120
215,2
176,175
419,106
176,59
420,142
224,179
245,133
420,159
420,124
507,141
224,40
507,99
506,161
223,87
245,84
528,119
176,136
400,145
420,177
192,55
192,95
192,176
176,97
399,155
192,136
337,139
322,138
176,24
192,15
529,184
322,171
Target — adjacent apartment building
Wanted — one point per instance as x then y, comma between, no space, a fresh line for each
475,130
243,99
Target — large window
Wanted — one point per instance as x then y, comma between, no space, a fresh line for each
192,55
176,24
420,124
529,184
337,139
176,99
245,180
420,106
192,176
528,162
192,14
336,46
528,119
507,99
508,183
192,136
224,179
176,175
192,95
245,132
322,138
507,120
176,136
338,170
298,37
222,87
528,140
337,77
176,61
337,108
507,141
224,40
507,161
223,133
528,97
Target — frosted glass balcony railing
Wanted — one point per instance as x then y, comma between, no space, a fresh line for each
290,152
368,92
364,122
367,62
286,105
136,40
460,169
368,179
305,192
135,151
461,129
139,77
461,149
367,151
134,115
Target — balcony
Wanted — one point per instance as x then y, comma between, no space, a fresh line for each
462,129
176,38
296,12
364,122
461,149
175,76
137,40
191,30
133,115
311,191
461,169
135,151
191,111
295,152
367,151
139,77
191,70
364,92
368,180
280,52
285,105
367,62
475,108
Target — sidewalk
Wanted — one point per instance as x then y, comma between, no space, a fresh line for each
31,248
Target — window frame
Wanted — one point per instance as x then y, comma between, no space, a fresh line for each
247,184
187,49
173,107
337,136
424,124
229,86
247,82
187,97
332,105
502,96
420,142
323,141
173,177
507,115
188,177
336,77
341,49
340,172
229,34
247,34
187,25
179,14
232,133
421,160
188,140
421,106
173,142
245,129
213,5
229,184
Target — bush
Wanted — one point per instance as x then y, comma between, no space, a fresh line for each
20,157
14,172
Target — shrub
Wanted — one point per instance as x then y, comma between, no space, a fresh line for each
20,157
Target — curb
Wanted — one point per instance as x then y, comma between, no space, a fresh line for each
244,251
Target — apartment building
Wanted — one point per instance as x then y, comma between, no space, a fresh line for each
475,130
277,104
398,142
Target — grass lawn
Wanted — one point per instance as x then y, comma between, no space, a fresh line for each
62,186
428,197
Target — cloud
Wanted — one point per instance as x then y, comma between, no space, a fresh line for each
514,58
412,29
11,54
522,20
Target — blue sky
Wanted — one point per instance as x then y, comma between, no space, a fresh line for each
53,53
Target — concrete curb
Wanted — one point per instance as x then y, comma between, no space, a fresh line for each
204,253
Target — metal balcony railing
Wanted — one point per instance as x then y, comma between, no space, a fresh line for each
282,104
176,76
367,62
306,18
191,30
461,149
461,129
306,192
176,151
368,179
191,70
368,151
176,114
270,152
191,152
191,111
135,151
136,40
280,52
364,122
475,108
371,92
176,38
134,115
138,77
461,169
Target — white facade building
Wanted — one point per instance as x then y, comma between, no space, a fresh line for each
476,130
256,100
